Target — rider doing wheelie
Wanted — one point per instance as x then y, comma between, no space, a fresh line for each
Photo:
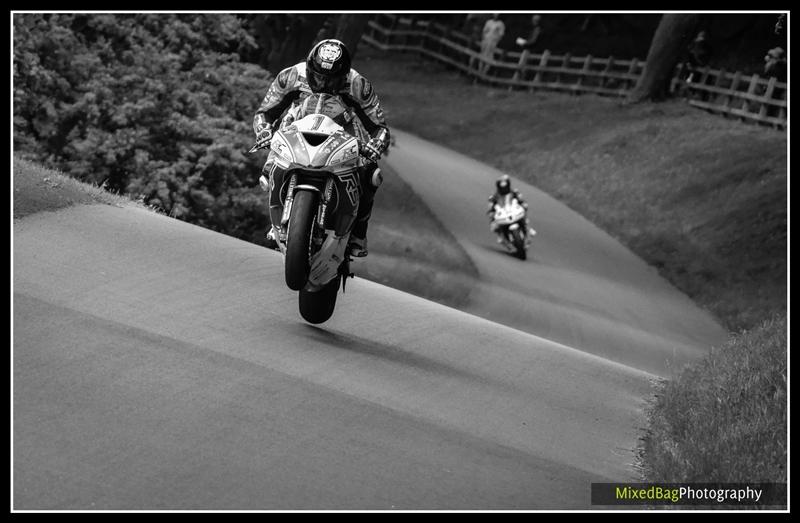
327,69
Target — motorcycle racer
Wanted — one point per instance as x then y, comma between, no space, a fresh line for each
503,188
327,70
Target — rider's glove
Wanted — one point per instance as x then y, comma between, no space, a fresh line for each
373,149
264,134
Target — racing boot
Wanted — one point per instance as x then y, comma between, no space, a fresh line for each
370,181
531,230
531,233
264,182
357,246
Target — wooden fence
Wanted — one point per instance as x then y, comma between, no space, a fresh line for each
587,74
745,97
749,98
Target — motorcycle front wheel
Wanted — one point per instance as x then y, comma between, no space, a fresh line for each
317,307
519,244
298,239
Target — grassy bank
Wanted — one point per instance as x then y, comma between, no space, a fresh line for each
700,197
724,419
37,189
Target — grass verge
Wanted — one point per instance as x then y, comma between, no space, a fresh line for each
725,418
37,189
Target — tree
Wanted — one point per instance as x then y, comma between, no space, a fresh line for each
156,106
349,29
283,39
672,35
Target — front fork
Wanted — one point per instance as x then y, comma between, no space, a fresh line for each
280,212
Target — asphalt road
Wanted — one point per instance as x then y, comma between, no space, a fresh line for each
159,365
579,287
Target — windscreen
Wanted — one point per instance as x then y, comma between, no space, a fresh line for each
330,105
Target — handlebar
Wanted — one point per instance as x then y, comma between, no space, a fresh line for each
260,145
265,144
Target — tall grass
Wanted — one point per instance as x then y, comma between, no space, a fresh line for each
724,419
37,188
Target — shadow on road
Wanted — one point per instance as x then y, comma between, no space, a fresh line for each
496,248
391,353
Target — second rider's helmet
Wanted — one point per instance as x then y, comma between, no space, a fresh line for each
503,185
328,66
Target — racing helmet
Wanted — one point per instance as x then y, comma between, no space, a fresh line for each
327,66
503,185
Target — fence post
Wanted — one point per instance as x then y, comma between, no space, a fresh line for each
587,66
751,90
782,111
606,71
713,96
447,34
409,33
677,78
732,89
626,85
424,39
564,65
767,97
523,59
537,80
706,73
441,32
704,93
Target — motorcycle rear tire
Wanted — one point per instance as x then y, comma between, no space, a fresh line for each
298,239
317,307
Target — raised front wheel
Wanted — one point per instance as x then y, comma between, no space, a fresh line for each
317,307
298,239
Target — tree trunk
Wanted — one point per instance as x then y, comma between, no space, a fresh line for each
349,29
673,34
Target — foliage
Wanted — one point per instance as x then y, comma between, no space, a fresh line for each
157,106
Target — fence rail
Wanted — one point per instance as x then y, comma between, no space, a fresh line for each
749,98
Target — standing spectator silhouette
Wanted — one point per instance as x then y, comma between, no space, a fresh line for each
775,64
493,31
780,25
473,25
699,55
529,44
775,60
472,28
